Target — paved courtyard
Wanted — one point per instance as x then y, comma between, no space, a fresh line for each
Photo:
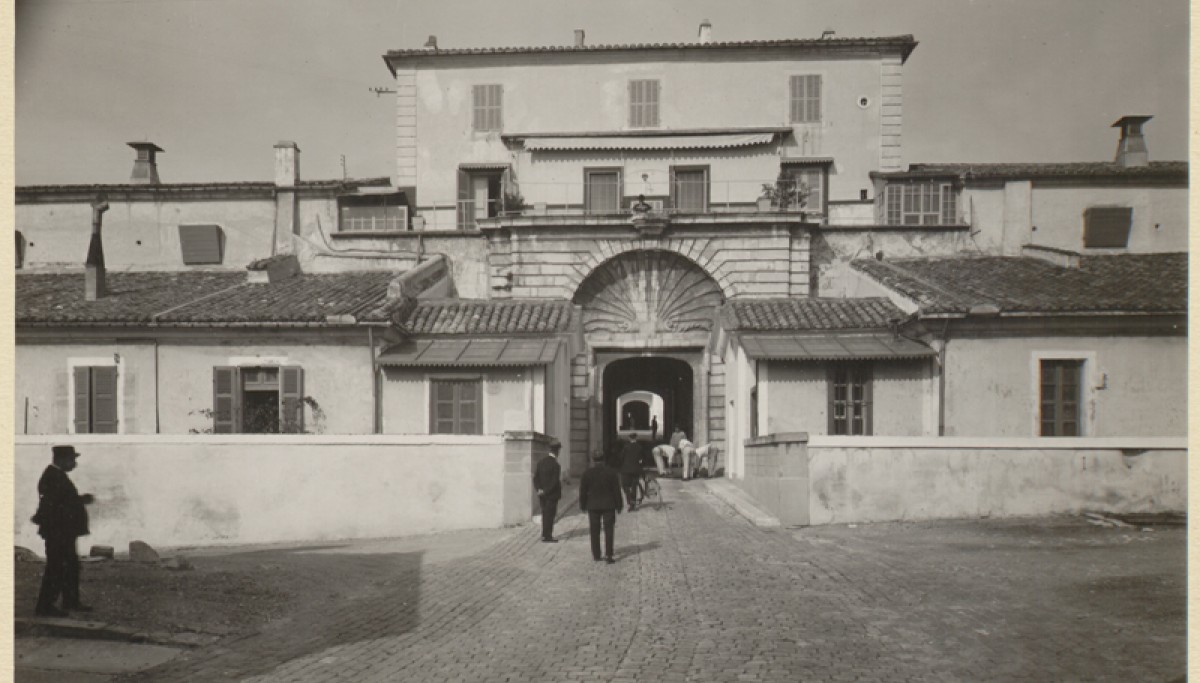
699,594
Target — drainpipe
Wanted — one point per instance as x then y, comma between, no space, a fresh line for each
942,379
375,426
157,425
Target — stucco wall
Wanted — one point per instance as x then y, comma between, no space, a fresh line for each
1133,386
205,490
507,398
588,92
831,251
797,398
42,402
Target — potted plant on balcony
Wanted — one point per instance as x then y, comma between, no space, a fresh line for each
513,204
783,194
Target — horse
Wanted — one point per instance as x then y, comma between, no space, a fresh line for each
705,457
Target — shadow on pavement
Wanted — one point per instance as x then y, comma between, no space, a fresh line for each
623,552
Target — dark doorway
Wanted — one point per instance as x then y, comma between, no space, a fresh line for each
669,378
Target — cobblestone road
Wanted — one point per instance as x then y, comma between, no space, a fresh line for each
700,595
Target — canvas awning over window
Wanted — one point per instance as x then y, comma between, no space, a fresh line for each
833,347
471,352
647,142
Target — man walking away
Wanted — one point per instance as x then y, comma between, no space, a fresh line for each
549,489
631,470
61,518
654,430
600,498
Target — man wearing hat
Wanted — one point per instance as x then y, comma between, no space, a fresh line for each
549,489
600,498
61,518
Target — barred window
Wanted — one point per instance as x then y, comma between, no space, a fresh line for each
805,99
486,109
643,104
921,203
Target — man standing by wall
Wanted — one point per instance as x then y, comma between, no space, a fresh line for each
61,518
600,498
546,480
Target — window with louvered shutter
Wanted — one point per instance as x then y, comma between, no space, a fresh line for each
805,100
291,400
201,244
1107,227
225,404
95,400
456,406
83,400
643,104
486,108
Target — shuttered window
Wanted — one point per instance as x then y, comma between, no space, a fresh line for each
689,189
95,400
1059,397
921,202
850,398
487,107
1107,227
456,406
258,400
201,244
643,104
602,191
805,99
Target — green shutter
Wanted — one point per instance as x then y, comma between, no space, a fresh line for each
104,400
291,400
226,416
82,398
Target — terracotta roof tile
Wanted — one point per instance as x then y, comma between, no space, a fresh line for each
475,316
797,314
1120,283
307,298
131,297
967,171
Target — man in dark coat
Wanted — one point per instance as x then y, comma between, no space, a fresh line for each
61,518
549,489
631,470
600,498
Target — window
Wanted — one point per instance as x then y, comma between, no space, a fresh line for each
850,398
485,112
805,99
925,202
602,190
201,244
1059,398
643,104
689,188
258,400
479,195
372,213
456,406
95,399
1107,227
813,179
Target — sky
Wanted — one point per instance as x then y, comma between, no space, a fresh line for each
216,83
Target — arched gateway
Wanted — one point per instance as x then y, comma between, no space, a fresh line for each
647,319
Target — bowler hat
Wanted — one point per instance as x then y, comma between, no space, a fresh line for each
555,445
64,451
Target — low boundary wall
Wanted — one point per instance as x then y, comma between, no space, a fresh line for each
807,480
194,490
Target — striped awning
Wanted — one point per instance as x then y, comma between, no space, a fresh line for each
647,142
833,347
471,352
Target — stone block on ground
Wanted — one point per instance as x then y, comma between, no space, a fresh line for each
105,551
177,562
142,552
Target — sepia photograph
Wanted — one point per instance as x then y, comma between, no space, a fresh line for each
566,341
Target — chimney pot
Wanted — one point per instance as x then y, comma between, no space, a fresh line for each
1131,149
145,165
287,164
578,37
706,31
431,44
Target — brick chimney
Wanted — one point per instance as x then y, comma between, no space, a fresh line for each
706,31
1131,150
93,276
578,37
145,167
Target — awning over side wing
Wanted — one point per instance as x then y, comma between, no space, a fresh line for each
833,347
471,352
645,142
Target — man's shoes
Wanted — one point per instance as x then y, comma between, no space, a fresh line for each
597,559
610,560
79,608
549,540
50,612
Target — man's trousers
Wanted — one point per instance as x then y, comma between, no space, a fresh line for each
609,518
61,576
549,511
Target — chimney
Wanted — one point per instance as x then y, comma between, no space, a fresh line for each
93,277
145,168
578,37
431,44
1131,150
705,31
287,164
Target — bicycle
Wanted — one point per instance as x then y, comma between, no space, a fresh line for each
648,486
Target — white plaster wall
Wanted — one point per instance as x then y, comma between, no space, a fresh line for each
991,385
861,480
507,398
206,490
1160,216
798,398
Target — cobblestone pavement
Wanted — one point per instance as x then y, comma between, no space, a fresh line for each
698,594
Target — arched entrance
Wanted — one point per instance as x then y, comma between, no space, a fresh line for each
670,379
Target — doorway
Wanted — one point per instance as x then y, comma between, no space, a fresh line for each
639,391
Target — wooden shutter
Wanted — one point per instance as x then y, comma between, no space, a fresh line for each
470,407
441,408
82,398
291,399
466,208
868,405
200,244
634,118
1107,227
226,411
104,400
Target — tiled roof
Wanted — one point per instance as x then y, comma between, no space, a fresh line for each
203,298
474,316
1122,283
1156,170
797,314
115,190
906,43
